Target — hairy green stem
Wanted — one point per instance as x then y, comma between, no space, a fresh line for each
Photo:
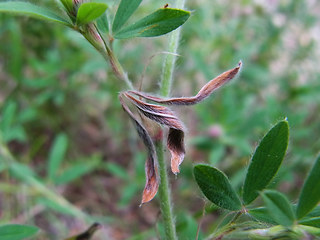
165,87
164,195
96,39
116,66
170,60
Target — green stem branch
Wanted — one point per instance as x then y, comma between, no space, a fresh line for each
96,39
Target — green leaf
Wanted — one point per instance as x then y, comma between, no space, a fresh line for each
117,170
261,214
67,4
8,115
279,207
310,194
313,222
125,10
216,187
24,8
17,232
21,171
266,161
55,205
102,23
76,171
56,155
315,212
90,11
158,23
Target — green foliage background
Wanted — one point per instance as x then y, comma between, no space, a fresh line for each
55,85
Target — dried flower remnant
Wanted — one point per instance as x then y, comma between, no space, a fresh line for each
204,92
159,114
165,116
151,166
175,145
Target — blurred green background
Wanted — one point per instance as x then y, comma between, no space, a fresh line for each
61,119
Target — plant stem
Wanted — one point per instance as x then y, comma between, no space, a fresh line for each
165,87
164,195
170,60
96,39
116,66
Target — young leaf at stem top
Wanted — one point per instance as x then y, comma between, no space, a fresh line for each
266,161
158,23
20,7
216,187
310,194
279,207
90,11
125,10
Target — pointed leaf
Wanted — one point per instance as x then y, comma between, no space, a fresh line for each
266,161
314,213
67,4
279,207
76,171
32,10
56,206
216,187
90,11
56,155
310,194
102,23
158,23
125,10
313,222
17,232
261,214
